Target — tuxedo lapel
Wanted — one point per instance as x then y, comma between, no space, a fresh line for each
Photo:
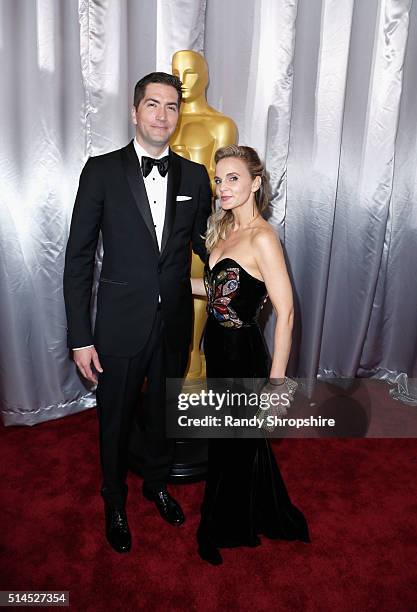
137,186
174,179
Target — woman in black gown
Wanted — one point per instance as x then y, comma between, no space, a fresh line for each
245,495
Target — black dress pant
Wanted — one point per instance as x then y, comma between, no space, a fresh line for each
121,426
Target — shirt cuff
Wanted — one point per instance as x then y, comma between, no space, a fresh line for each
82,347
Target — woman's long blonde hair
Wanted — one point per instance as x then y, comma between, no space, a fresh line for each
220,221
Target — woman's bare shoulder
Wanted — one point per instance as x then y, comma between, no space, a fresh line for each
265,237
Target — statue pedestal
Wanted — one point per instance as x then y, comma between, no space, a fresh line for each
189,465
190,456
190,461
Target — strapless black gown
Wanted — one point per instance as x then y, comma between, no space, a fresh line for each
245,495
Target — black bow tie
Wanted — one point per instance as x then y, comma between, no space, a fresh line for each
149,162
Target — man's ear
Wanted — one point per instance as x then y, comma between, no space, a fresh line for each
133,115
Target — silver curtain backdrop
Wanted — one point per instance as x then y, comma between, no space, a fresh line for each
326,90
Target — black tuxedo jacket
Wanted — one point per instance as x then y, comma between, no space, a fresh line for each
112,199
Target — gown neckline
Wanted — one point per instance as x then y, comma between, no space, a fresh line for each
236,262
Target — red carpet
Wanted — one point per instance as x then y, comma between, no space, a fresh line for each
359,496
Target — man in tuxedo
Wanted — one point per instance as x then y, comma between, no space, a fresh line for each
150,205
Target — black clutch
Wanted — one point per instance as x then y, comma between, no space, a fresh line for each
275,408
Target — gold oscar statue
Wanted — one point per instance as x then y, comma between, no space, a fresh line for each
200,132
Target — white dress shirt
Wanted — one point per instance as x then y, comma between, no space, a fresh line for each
156,190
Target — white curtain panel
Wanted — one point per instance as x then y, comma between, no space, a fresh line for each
42,149
326,90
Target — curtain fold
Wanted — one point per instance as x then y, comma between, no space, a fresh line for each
320,66
326,90
103,57
180,25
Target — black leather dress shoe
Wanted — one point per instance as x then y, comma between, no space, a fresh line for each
168,508
117,529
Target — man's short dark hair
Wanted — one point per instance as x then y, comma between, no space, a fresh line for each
156,77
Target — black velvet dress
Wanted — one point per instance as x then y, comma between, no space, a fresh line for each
245,495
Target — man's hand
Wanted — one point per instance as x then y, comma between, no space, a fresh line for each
83,359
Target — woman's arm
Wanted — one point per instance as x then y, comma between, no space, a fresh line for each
270,260
197,287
